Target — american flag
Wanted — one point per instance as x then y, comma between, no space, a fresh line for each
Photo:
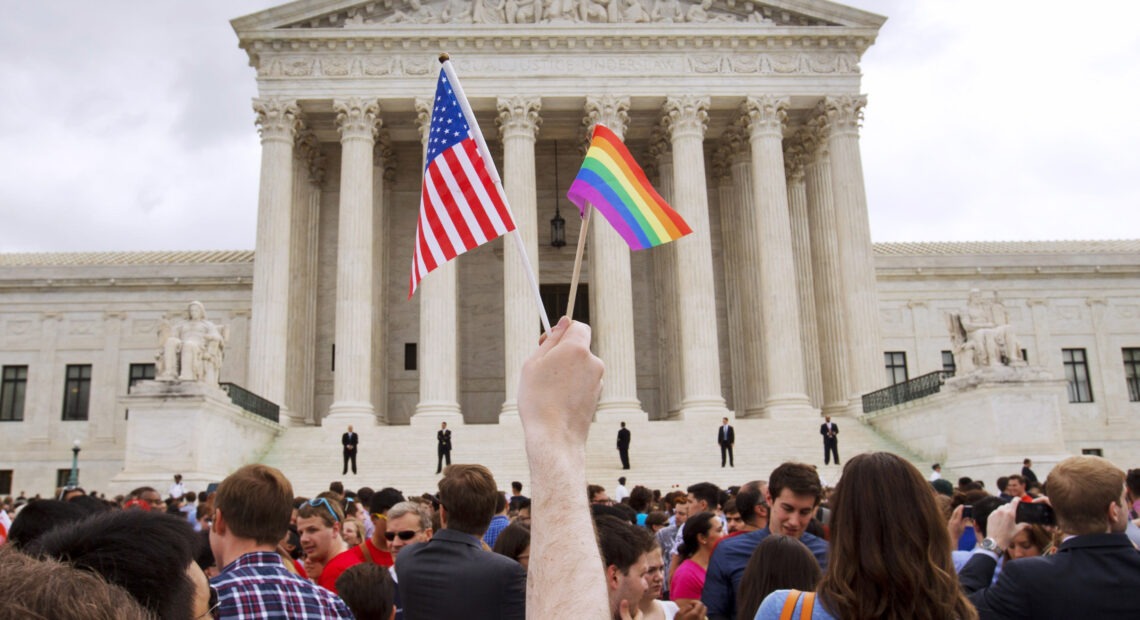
461,207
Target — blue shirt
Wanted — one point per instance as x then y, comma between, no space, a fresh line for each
257,585
774,604
730,558
498,524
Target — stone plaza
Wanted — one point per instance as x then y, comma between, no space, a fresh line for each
777,310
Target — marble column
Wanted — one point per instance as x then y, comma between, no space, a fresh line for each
278,122
383,175
844,114
439,328
518,127
308,176
794,161
686,119
664,259
357,121
748,279
611,289
784,365
827,277
734,268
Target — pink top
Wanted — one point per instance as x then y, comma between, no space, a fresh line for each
688,581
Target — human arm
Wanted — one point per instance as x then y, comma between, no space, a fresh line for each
558,393
718,594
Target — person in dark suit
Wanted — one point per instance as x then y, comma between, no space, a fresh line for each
452,576
349,440
726,437
830,432
1094,574
443,450
1027,473
623,445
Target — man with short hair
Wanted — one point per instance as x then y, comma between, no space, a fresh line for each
830,432
443,446
516,495
625,548
1015,488
251,515
408,523
451,576
177,489
375,548
936,472
620,492
623,437
499,522
1028,474
1132,483
597,495
793,494
1096,570
319,522
524,512
753,506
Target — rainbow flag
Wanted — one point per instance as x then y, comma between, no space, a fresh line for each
613,182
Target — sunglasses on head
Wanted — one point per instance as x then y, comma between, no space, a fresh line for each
322,501
404,535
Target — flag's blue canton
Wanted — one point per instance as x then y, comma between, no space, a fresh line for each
448,127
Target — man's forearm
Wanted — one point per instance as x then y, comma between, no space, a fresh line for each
572,587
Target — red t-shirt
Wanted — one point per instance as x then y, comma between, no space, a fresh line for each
335,567
379,556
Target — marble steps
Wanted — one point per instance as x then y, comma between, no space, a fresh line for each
663,455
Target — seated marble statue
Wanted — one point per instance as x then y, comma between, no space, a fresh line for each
192,349
982,335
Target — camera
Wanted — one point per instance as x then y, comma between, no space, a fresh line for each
1039,514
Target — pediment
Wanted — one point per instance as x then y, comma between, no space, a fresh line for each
348,14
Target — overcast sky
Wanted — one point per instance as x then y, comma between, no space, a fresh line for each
127,125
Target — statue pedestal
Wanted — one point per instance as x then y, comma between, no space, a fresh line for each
984,424
188,428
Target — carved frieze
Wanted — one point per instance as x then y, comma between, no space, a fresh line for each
421,12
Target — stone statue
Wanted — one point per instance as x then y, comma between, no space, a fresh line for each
633,11
191,349
982,336
522,11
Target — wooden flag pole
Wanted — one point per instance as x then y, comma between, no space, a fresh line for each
578,263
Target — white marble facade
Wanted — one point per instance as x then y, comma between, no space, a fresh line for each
746,116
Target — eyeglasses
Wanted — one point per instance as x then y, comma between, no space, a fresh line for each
377,515
404,535
319,501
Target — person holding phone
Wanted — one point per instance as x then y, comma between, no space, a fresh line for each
1096,570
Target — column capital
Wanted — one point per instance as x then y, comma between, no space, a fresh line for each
357,118
722,157
765,115
795,159
308,150
277,119
687,115
658,149
608,110
813,135
518,116
845,112
423,117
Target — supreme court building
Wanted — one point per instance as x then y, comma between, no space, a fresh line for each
746,117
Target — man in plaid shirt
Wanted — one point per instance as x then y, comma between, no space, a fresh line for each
251,514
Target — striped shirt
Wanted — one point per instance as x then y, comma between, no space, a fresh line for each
257,585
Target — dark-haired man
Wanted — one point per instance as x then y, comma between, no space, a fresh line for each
625,554
452,576
623,438
252,508
726,439
350,441
1096,570
793,494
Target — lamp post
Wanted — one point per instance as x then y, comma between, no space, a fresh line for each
557,223
73,477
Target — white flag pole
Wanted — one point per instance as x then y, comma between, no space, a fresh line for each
445,60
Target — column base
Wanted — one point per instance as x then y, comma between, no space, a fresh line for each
289,419
614,411
509,414
705,408
344,413
430,413
788,406
840,408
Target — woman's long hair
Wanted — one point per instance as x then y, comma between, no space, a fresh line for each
696,525
778,563
890,547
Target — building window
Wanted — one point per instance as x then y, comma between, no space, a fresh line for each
410,356
1132,373
1077,374
555,298
77,392
5,481
140,372
61,477
1092,451
896,367
12,392
948,364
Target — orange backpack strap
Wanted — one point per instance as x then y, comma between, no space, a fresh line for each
790,604
367,556
809,606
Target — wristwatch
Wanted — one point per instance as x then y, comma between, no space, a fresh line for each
990,544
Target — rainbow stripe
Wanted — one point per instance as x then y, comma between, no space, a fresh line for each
613,182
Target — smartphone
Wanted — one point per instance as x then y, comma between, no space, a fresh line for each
967,512
1040,514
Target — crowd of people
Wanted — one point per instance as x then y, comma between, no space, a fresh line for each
885,542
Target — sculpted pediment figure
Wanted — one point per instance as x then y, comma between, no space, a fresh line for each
981,336
335,14
191,348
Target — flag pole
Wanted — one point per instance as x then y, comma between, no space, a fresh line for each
445,60
578,262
